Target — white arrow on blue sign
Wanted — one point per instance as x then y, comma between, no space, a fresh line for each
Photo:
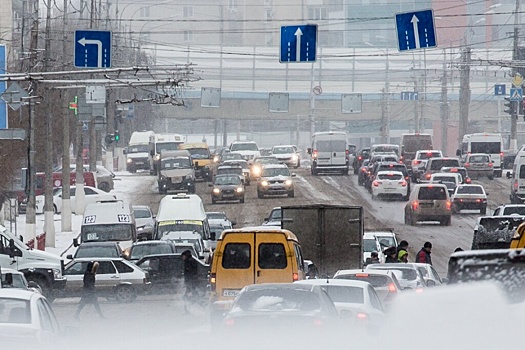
415,30
499,89
92,49
298,43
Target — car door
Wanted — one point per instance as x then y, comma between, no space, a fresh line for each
271,260
91,196
236,267
74,274
107,277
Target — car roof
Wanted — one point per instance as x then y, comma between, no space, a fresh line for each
470,185
429,185
154,242
369,235
98,259
16,293
370,272
334,282
98,244
13,271
389,172
275,166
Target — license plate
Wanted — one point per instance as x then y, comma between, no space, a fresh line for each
227,195
230,292
139,163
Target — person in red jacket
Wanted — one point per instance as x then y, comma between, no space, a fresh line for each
423,256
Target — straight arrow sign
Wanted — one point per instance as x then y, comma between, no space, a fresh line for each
298,34
414,22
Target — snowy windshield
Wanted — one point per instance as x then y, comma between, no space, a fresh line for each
106,232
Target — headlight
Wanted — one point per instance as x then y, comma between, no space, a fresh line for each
294,157
157,157
288,182
57,273
257,170
215,159
163,178
216,190
240,189
189,177
264,183
129,160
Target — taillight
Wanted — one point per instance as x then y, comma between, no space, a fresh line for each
501,155
416,162
490,165
403,183
229,322
467,165
449,205
392,288
468,180
295,276
213,281
515,185
359,158
415,205
314,153
361,275
361,315
318,323
427,176
478,200
376,183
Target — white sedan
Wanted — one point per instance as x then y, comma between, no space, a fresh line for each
389,184
92,195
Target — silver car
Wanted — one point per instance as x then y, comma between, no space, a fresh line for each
144,221
116,278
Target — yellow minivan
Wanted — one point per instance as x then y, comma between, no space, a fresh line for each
202,159
252,255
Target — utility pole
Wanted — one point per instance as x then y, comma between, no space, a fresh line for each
49,226
30,209
464,94
385,116
514,116
445,108
416,104
66,185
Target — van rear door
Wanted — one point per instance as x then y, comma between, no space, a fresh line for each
272,258
331,152
237,264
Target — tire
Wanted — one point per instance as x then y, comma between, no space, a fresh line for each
241,200
104,187
314,172
191,189
491,177
374,198
213,201
413,220
356,171
298,164
125,294
132,170
55,210
447,221
291,194
260,194
483,211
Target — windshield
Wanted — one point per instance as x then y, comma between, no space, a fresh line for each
271,172
369,245
225,171
175,226
232,156
175,163
386,241
389,176
227,180
167,146
106,232
266,160
282,150
16,280
199,153
96,252
248,146
15,311
141,213
141,250
138,149
219,216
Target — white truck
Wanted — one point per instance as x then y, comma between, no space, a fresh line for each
159,143
491,144
45,269
137,152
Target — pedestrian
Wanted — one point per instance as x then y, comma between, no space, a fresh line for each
402,256
373,259
190,277
423,256
403,245
391,255
89,293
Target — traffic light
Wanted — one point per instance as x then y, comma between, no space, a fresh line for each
510,107
109,139
117,136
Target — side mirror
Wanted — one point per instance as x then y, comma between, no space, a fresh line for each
210,185
294,174
431,283
508,175
234,223
125,151
69,256
75,242
444,280
458,152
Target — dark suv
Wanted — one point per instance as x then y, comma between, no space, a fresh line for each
364,153
386,166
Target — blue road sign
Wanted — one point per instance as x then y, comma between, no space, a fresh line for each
92,49
415,30
298,43
499,89
409,95
516,94
3,105
85,126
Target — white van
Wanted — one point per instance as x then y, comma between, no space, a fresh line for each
491,144
109,221
329,152
247,149
137,152
182,212
517,185
159,143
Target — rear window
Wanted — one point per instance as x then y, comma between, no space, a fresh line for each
272,256
470,190
278,299
385,149
236,256
330,145
514,210
485,147
369,245
440,163
340,294
393,167
390,176
444,179
374,280
427,155
432,193
479,159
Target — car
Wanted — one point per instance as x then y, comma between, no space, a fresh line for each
265,151
189,237
386,166
282,308
96,250
248,149
245,168
144,221
434,165
383,157
141,249
364,172
227,188
371,244
26,320
104,177
408,276
384,282
11,278
429,202
288,155
420,161
451,180
218,222
384,148
258,163
509,209
229,170
386,237
274,219
430,275
225,156
362,154
276,179
479,165
116,278
92,195
471,197
465,179
356,301
389,184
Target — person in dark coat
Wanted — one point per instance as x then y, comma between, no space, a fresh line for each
391,255
423,256
403,245
373,259
89,292
190,276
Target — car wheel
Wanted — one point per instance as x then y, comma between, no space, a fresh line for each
241,200
314,172
447,221
413,220
260,194
298,164
291,194
132,170
483,211
55,210
104,187
125,294
406,219
355,171
213,201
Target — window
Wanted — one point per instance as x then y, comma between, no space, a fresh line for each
144,12
15,311
374,300
522,172
106,268
432,193
485,147
236,256
369,245
316,13
299,257
272,256
187,11
89,191
340,294
374,280
188,35
45,318
122,267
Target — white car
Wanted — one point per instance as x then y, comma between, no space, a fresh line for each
287,154
389,184
144,221
26,319
420,161
451,180
355,300
371,244
92,195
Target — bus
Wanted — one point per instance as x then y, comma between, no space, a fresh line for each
490,144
